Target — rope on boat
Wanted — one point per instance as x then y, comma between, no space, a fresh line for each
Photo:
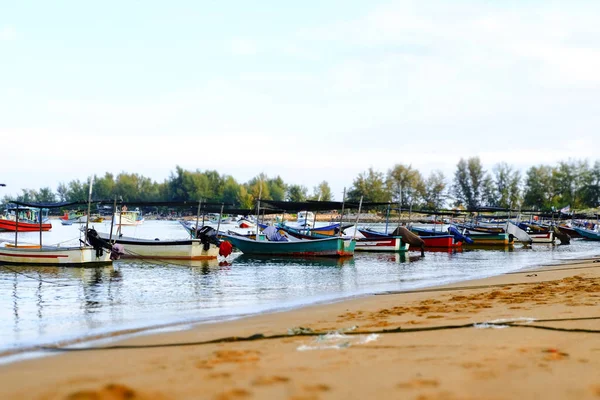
308,332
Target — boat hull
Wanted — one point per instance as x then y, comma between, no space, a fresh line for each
392,244
587,234
491,239
547,237
11,226
440,242
329,247
188,249
54,256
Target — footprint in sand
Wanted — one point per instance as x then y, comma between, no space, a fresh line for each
233,394
270,380
111,391
419,384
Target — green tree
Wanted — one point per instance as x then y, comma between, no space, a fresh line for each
538,187
371,186
45,195
468,182
435,189
405,184
297,193
277,188
507,182
321,192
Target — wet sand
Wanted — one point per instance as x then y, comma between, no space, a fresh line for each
437,354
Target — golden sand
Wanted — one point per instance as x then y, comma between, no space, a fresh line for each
459,360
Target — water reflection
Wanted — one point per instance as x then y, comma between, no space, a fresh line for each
280,260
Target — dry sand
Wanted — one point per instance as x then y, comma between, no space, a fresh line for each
463,363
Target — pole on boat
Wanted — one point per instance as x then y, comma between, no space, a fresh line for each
258,206
399,204
112,220
387,218
342,215
193,235
87,219
40,217
16,224
220,216
357,217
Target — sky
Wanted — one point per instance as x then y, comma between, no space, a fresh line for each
310,91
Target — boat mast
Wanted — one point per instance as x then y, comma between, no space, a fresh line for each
87,220
16,224
220,216
40,217
387,218
112,220
193,236
357,217
258,207
342,215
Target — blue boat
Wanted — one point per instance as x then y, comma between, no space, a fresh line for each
587,233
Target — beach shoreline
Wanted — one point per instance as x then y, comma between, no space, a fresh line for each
423,360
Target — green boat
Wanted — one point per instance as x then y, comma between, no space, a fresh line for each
328,247
490,239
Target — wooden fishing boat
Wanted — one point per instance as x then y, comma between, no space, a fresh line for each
128,217
28,220
587,233
432,241
568,230
245,223
490,239
542,237
390,244
81,256
74,217
93,250
184,249
328,247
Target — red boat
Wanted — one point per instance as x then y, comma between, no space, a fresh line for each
28,220
441,240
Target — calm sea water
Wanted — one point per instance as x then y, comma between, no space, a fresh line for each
43,305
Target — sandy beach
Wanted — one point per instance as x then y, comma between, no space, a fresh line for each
544,344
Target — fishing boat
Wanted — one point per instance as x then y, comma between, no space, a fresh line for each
327,247
128,217
25,219
92,251
206,247
431,240
587,233
74,217
390,244
305,218
246,224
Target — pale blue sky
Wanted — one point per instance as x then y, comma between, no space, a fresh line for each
310,91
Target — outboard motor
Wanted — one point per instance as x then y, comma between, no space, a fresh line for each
208,235
459,236
100,245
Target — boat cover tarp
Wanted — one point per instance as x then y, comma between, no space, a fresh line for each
273,235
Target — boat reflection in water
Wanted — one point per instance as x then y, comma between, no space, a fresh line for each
295,261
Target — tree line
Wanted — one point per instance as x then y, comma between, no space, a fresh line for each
182,185
544,187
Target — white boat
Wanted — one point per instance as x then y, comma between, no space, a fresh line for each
305,218
92,252
206,248
128,217
29,254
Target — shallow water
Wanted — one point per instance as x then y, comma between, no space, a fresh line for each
48,304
